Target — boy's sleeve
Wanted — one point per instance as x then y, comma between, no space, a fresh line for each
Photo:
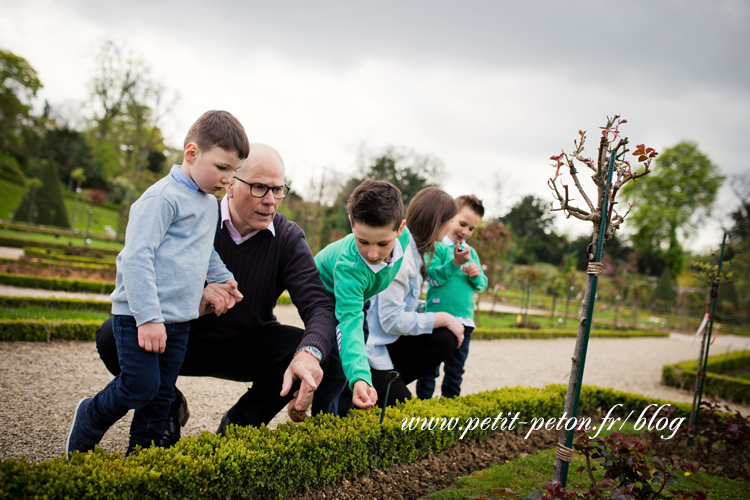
349,297
478,282
442,267
149,221
217,270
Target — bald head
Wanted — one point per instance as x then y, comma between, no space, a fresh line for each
262,160
262,166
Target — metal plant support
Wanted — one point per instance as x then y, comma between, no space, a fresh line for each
561,466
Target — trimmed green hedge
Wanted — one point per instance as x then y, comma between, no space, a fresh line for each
50,254
9,241
682,375
44,331
47,263
68,304
552,333
33,228
270,464
65,284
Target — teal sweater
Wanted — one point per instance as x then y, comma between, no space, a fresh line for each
451,290
351,283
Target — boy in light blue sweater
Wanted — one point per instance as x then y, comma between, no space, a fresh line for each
167,258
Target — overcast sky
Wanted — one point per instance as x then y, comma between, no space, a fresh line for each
492,88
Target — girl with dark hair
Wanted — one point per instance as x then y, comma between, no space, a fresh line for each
401,337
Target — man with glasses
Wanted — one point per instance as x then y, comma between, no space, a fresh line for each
241,340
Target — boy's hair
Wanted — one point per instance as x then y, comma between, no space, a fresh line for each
471,201
428,211
219,129
376,204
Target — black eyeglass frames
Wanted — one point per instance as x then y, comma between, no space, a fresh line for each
259,190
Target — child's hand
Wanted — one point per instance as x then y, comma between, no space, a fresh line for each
457,329
219,297
364,396
231,288
152,337
461,257
471,270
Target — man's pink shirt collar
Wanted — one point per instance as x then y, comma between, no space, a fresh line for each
226,220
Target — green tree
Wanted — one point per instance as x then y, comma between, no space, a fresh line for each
43,202
18,86
69,150
682,187
530,224
664,293
405,168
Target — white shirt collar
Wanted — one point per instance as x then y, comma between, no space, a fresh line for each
396,254
448,241
226,219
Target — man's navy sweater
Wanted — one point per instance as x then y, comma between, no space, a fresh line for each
264,266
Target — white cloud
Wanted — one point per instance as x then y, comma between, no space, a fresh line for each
491,88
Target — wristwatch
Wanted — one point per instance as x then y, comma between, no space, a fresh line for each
311,350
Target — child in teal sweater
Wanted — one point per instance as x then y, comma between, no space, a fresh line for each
353,270
451,289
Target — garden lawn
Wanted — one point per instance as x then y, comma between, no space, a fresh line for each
105,215
45,313
533,471
11,198
61,240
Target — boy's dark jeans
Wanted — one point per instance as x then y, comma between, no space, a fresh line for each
146,384
453,369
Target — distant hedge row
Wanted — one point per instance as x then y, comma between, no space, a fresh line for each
528,333
42,263
276,464
682,375
52,254
44,330
9,241
65,303
70,285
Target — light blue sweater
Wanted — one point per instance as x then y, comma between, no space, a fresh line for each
169,254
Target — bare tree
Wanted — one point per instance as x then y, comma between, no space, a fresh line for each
611,171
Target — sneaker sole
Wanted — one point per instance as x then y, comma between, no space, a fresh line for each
72,426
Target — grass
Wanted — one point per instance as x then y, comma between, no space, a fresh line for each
529,473
11,198
41,313
59,239
508,320
105,215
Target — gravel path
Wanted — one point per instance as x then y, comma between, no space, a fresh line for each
40,383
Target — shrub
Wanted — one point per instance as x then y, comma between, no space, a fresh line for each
262,463
682,375
554,333
65,303
44,331
65,284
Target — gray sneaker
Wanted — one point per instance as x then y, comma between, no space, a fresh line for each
76,440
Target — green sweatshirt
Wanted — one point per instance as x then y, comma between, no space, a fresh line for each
451,290
351,283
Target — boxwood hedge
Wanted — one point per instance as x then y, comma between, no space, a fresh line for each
682,375
269,464
552,333
66,284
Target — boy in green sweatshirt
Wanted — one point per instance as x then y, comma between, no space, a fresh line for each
451,289
353,270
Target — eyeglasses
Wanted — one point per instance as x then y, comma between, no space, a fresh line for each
260,190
